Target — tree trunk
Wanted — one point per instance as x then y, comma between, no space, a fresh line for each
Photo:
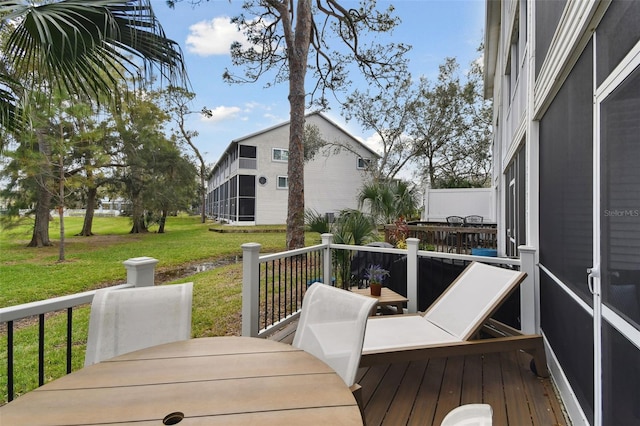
138,226
87,226
298,52
203,194
61,256
40,237
137,216
163,220
61,208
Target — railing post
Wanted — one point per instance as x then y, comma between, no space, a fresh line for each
529,292
412,274
250,289
141,271
327,239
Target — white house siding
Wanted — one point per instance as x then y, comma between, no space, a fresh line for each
332,179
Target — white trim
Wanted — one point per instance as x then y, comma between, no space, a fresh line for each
584,305
619,74
594,273
279,160
278,182
573,33
627,330
365,161
601,93
518,139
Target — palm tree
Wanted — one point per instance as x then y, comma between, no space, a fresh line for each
81,46
379,196
355,228
389,200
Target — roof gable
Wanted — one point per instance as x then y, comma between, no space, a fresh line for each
318,114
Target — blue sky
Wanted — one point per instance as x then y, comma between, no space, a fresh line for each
435,29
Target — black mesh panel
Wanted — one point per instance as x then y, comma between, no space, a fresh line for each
566,179
617,33
569,330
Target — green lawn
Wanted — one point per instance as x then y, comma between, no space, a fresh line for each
31,274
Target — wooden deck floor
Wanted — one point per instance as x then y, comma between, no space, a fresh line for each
422,393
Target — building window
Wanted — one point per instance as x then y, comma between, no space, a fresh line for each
248,156
248,151
283,182
279,154
363,163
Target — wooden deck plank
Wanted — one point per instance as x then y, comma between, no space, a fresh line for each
383,397
370,380
410,393
472,380
427,399
493,388
407,392
545,407
517,406
450,392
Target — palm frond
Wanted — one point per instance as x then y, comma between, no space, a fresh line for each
87,46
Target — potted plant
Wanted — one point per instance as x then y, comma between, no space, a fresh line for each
375,274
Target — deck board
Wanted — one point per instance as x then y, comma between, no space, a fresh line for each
426,401
422,392
472,384
517,407
451,388
494,388
404,399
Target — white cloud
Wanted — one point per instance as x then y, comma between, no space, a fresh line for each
222,113
374,142
213,37
250,106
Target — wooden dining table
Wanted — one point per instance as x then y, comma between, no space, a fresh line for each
204,381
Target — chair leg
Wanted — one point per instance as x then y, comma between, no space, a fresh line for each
356,390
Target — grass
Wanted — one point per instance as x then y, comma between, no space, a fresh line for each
30,274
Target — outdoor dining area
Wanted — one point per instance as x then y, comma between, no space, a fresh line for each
470,234
341,361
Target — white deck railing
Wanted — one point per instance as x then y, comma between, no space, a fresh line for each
292,271
256,285
140,273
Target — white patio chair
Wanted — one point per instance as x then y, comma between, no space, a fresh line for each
452,321
126,320
332,326
469,415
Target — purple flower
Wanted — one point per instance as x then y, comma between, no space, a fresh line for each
375,273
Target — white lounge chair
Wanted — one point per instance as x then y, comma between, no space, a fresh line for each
450,323
126,320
